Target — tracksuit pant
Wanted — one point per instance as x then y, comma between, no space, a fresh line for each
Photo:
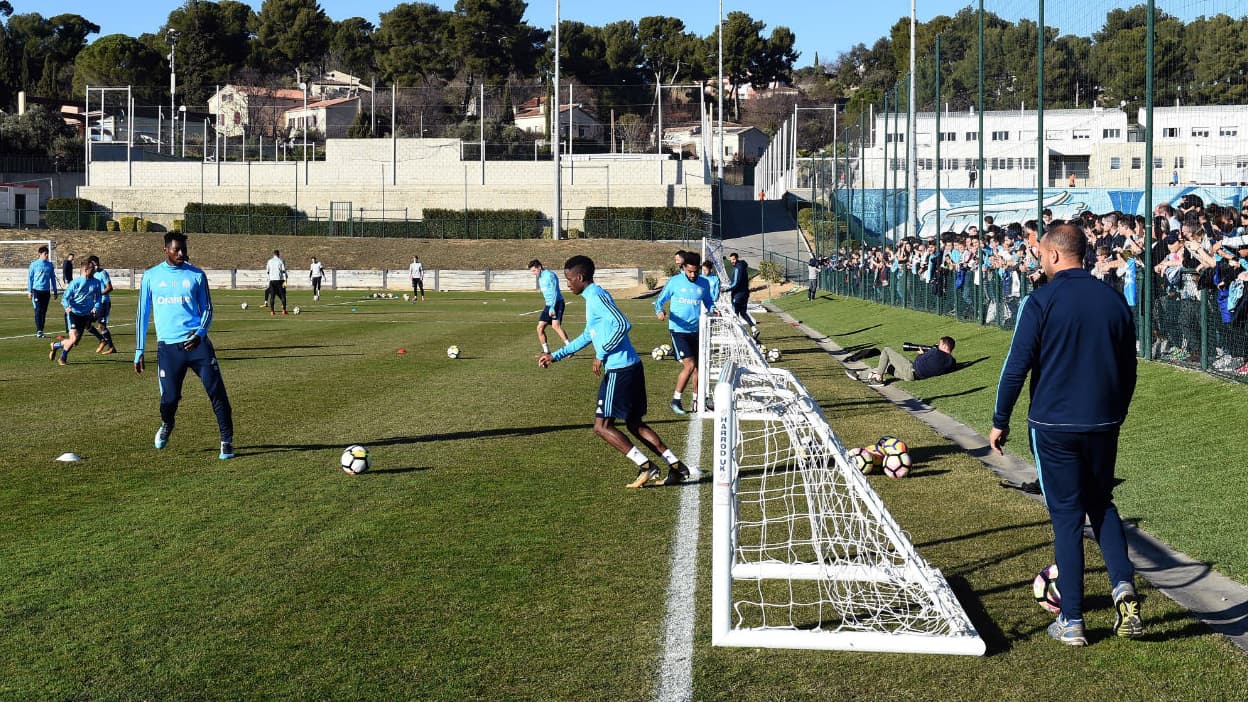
173,362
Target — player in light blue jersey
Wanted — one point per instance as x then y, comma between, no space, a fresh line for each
552,312
686,295
106,346
81,302
40,287
622,393
712,279
175,294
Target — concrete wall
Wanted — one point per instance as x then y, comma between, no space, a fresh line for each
401,177
395,280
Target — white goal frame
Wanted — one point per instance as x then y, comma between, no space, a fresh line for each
875,592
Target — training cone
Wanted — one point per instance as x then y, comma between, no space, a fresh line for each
402,351
68,457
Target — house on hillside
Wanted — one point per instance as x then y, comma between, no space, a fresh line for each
253,109
335,84
332,117
741,142
585,125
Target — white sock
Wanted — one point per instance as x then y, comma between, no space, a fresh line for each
676,396
636,456
545,348
670,457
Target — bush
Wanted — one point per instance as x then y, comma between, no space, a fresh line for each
112,225
670,270
177,225
483,224
652,283
70,213
128,223
644,223
771,272
240,218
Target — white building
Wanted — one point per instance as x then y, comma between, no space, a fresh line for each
332,118
19,205
531,117
1097,146
252,109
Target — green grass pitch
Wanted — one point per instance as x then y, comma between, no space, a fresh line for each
491,552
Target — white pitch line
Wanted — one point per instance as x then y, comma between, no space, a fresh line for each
52,335
526,314
676,668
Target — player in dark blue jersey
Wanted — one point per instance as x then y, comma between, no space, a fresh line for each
175,293
622,393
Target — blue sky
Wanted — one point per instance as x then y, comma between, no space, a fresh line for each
824,26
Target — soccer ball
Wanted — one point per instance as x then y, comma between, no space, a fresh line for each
891,446
1044,588
862,459
773,354
355,459
244,305
296,311
897,465
405,297
452,352
667,349
658,353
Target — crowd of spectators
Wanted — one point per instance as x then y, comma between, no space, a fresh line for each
1194,248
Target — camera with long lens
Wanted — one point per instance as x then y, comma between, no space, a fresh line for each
921,348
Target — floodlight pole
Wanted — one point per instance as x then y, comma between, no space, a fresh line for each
719,94
172,37
556,218
912,152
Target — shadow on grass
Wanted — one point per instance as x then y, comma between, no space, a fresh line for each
280,347
289,355
856,331
396,471
404,440
917,403
995,640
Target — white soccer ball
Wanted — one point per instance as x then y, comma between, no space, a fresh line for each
244,305
355,459
452,352
296,311
773,354
658,353
667,348
405,297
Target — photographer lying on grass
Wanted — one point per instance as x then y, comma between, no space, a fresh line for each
931,362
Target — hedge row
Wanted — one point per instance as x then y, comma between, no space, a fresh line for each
237,218
483,224
645,223
73,213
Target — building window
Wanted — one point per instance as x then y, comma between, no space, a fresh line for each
1136,163
1200,132
1000,136
1170,132
948,136
1180,161
1029,164
1228,131
972,136
968,164
894,138
1081,134
1111,133
1054,134
1115,164
1158,164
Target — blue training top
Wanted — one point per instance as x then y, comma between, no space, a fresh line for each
1076,336
687,297
82,296
607,327
105,280
713,281
178,298
41,276
548,283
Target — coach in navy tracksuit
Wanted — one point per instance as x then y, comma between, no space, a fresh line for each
1076,337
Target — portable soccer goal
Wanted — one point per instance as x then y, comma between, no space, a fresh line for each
805,553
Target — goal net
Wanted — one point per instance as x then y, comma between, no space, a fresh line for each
806,555
15,258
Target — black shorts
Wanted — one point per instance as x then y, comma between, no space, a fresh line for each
558,316
622,393
106,308
79,322
685,344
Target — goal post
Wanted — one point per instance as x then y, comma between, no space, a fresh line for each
805,553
